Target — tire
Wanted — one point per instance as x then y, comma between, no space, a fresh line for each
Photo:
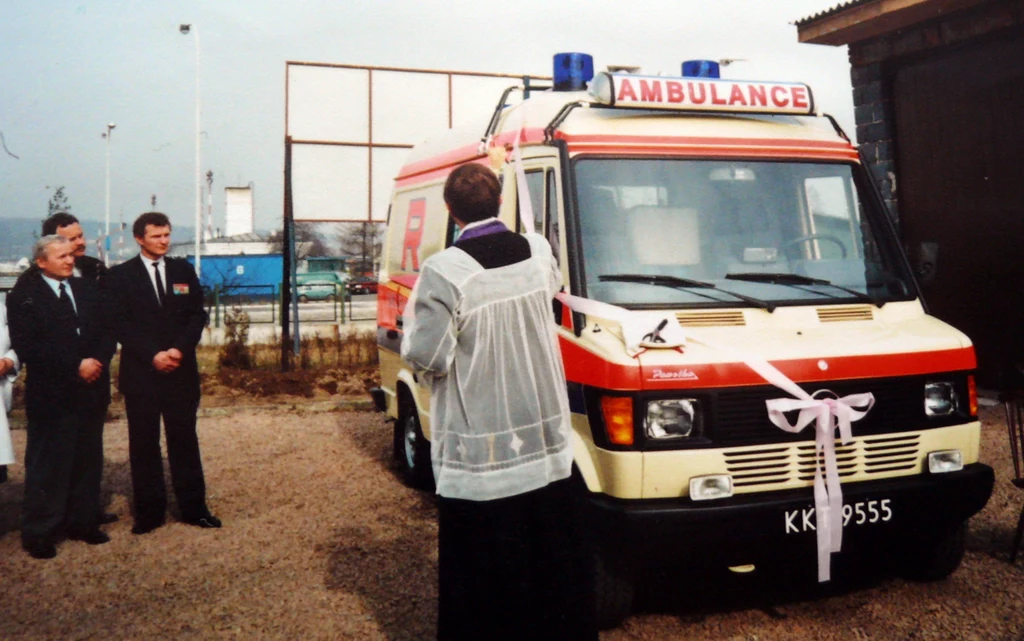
412,450
303,298
613,588
936,560
330,298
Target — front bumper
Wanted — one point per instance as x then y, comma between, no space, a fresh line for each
756,528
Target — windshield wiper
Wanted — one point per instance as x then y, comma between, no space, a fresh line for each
681,283
799,280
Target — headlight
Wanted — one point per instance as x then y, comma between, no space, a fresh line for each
939,399
945,461
673,418
715,486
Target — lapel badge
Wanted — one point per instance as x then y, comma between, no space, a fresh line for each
181,289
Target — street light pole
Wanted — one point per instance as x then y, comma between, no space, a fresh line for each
185,28
106,226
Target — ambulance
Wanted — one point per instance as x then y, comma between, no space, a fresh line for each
753,375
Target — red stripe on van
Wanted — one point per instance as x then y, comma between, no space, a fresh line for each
705,141
442,163
583,366
648,149
405,280
712,146
809,370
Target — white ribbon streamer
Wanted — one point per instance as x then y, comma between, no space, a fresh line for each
828,414
523,190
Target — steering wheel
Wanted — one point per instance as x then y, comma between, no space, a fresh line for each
804,239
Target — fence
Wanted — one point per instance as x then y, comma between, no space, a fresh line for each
263,304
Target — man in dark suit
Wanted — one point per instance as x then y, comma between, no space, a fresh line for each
64,224
158,317
58,329
92,269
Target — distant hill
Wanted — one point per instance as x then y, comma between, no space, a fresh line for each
18,234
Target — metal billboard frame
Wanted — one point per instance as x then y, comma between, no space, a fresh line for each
289,300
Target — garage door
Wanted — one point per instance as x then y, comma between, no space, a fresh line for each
960,133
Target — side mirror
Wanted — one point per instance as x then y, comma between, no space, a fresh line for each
925,261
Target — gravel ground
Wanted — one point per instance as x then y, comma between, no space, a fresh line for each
321,541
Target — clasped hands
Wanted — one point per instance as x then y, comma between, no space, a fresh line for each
90,369
167,361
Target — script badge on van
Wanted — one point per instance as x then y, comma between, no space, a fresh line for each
672,375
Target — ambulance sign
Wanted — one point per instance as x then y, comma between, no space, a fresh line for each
702,94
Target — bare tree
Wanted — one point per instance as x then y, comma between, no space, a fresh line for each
58,202
362,242
309,241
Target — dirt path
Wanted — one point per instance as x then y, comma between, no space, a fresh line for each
321,541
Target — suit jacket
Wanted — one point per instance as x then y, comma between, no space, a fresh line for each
91,268
144,327
43,334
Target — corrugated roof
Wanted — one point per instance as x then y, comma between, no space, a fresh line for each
829,12
863,20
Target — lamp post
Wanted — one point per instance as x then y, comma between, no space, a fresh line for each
185,29
106,220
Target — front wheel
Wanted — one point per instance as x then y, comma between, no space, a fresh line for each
412,450
613,587
935,560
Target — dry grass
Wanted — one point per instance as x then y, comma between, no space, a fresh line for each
355,350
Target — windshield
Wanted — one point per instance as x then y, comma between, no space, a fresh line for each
772,232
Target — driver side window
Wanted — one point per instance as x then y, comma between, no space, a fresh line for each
833,213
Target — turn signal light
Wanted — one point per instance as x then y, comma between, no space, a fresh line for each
618,418
972,395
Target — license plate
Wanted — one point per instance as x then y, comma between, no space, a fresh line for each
859,513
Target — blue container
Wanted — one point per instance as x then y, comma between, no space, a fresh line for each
573,71
240,271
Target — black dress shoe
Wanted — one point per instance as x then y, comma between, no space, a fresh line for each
144,527
40,549
107,518
92,537
208,521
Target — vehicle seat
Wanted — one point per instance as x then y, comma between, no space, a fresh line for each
666,240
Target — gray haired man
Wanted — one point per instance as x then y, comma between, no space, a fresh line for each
59,331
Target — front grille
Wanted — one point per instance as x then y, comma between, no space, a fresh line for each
740,417
771,466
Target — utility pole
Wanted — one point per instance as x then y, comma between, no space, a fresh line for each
209,205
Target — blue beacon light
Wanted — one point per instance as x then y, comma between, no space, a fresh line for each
701,69
573,71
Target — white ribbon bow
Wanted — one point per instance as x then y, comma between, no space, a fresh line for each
827,413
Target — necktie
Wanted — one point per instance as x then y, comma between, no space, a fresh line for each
65,300
161,293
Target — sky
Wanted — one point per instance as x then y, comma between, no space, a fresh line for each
71,67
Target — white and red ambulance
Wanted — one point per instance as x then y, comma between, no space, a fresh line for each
753,375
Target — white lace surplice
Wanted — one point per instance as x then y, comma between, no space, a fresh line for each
486,342
6,385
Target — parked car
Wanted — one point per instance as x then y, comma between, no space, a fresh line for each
362,285
317,291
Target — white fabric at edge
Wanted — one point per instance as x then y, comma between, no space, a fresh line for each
499,412
6,388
